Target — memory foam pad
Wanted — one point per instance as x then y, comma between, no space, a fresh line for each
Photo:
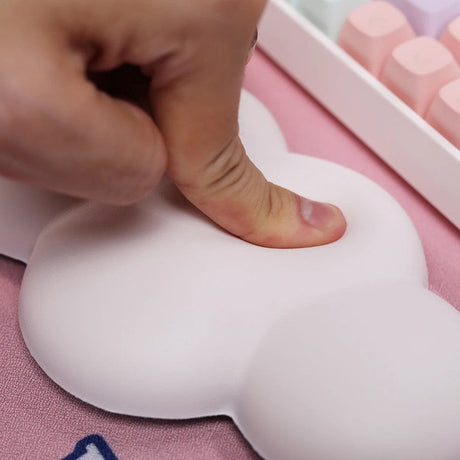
328,353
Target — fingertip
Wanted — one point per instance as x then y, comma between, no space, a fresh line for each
297,223
323,217
338,225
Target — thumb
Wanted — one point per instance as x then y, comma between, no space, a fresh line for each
197,113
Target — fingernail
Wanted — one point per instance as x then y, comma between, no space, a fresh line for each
317,214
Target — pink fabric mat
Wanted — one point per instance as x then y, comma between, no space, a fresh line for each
40,421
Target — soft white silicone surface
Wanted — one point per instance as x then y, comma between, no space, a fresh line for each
24,211
328,353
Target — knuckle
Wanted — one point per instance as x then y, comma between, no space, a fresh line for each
275,201
228,171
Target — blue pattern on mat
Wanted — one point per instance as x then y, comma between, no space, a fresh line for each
93,447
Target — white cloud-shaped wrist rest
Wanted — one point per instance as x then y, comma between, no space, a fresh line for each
328,353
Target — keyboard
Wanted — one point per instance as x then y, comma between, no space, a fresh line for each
389,71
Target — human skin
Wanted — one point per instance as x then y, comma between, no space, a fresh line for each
61,131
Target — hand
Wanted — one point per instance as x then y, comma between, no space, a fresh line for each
58,130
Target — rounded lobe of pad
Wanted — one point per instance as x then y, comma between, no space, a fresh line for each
371,369
154,311
444,113
417,69
372,31
259,131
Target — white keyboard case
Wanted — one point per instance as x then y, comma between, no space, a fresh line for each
409,145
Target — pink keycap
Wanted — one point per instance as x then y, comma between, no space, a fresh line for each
417,70
451,38
372,31
444,113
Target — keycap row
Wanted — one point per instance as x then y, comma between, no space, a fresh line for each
421,71
427,17
382,36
